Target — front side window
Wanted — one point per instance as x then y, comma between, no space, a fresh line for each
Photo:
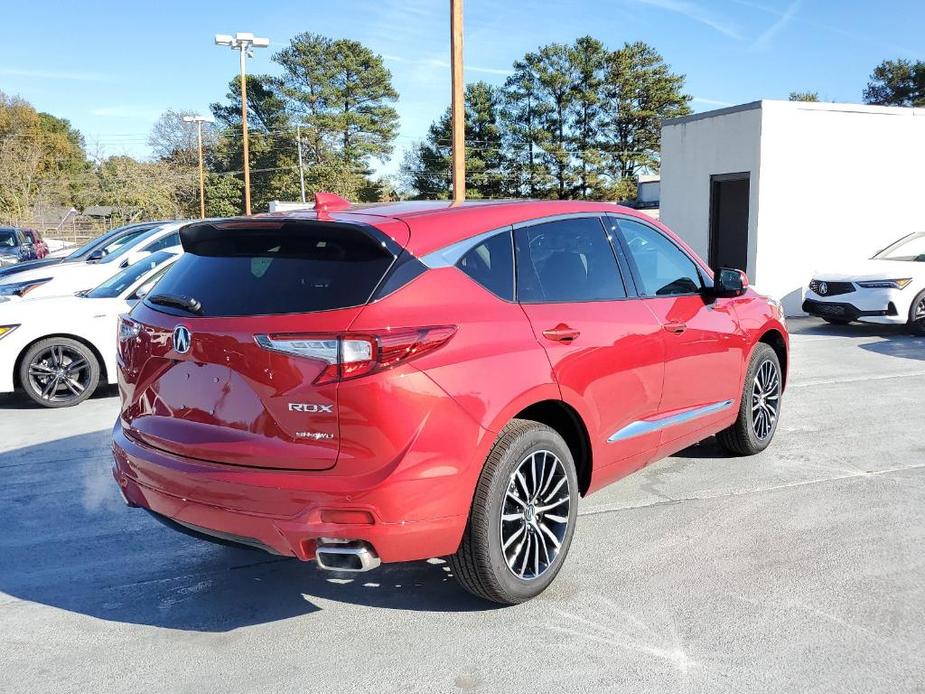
909,248
567,260
664,269
114,286
491,264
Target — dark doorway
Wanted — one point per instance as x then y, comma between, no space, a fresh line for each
729,220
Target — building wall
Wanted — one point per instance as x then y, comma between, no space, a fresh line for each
830,184
695,148
838,183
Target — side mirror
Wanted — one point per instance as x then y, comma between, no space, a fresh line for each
96,256
729,282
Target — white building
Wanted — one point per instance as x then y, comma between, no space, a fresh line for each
782,188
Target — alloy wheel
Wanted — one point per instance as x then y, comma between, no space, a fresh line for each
765,399
59,374
918,313
534,515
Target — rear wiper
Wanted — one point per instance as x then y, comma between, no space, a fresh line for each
187,303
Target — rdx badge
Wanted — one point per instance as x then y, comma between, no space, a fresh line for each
310,407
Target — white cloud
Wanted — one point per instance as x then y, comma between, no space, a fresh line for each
710,102
696,13
444,65
763,41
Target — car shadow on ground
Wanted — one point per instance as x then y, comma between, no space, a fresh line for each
19,401
70,542
896,340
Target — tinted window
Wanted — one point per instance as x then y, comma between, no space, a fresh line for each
122,245
168,241
109,240
294,267
114,286
567,260
491,264
8,237
664,269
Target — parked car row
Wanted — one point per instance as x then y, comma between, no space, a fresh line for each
20,246
58,316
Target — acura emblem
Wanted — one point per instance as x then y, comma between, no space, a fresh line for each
181,339
823,288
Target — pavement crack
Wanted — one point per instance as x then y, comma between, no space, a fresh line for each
593,511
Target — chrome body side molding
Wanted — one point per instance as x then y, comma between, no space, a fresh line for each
647,426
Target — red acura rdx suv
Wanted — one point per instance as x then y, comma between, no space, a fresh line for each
359,385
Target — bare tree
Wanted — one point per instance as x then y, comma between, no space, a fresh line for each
174,140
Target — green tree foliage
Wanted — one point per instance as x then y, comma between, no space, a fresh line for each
427,167
272,144
573,121
42,158
803,96
141,190
342,93
639,92
897,83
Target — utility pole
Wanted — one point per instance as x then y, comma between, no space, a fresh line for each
298,136
243,42
199,120
458,102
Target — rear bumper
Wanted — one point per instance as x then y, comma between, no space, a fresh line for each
281,511
847,311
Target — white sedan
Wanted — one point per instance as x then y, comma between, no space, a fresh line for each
65,279
58,349
888,289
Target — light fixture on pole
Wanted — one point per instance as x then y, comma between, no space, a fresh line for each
243,42
199,120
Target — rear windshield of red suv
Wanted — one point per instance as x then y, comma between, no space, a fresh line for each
292,267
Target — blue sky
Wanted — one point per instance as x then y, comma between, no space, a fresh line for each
113,67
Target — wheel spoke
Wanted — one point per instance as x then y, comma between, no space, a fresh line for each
513,538
557,519
78,364
526,543
50,388
543,509
516,499
40,370
512,516
73,386
551,535
555,489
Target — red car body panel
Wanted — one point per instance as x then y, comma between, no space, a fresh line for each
210,438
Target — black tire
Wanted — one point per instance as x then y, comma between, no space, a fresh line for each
744,437
59,358
481,563
916,324
836,321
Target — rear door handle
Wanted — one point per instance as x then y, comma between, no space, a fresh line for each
675,327
561,333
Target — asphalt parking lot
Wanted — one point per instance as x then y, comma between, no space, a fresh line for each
800,569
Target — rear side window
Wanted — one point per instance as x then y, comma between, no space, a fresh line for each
168,241
664,269
491,264
566,260
291,267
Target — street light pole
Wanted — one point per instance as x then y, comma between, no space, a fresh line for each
301,167
458,101
244,42
199,120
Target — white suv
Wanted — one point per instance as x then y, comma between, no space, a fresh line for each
889,288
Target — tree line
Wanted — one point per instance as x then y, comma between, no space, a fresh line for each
577,120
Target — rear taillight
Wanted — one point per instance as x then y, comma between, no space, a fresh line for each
354,355
128,329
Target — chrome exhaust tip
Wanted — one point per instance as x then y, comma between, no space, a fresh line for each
356,556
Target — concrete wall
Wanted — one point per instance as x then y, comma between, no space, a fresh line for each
838,183
830,183
697,147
